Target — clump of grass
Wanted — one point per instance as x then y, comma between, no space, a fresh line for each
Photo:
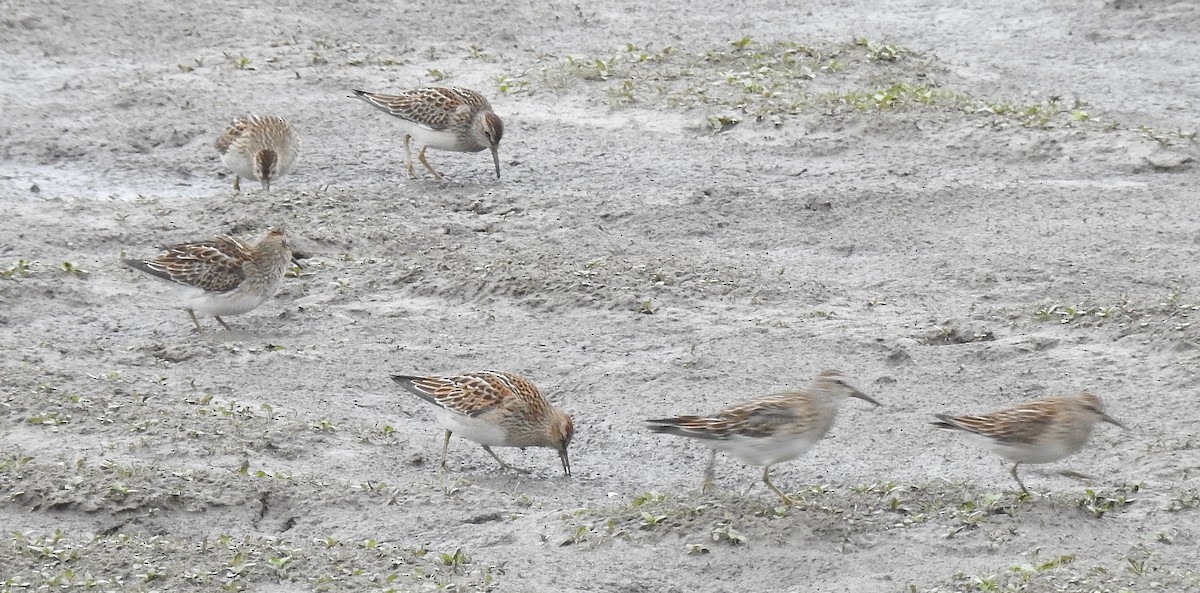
21,268
238,62
1099,502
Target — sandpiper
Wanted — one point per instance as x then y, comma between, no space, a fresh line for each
494,409
445,118
767,430
222,276
1040,431
258,147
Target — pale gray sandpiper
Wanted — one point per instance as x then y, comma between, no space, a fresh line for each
1040,431
222,276
767,430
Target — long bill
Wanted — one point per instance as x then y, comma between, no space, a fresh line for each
566,463
1111,420
864,397
496,160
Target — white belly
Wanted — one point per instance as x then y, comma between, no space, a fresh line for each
241,166
764,451
480,431
439,139
219,304
1041,453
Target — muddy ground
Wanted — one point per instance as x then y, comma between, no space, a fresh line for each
959,208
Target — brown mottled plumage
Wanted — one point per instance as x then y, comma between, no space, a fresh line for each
494,409
258,147
446,118
767,430
1040,431
222,276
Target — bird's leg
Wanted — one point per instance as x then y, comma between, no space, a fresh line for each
412,173
1018,478
501,461
706,485
223,324
445,446
236,185
199,328
421,157
767,481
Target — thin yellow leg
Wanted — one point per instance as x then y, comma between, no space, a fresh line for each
501,461
706,485
199,328
412,173
421,157
1018,478
767,481
445,446
236,185
223,324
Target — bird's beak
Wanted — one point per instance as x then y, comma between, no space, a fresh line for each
266,184
566,463
864,397
496,159
1111,420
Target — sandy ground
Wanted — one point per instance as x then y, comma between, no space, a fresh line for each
959,208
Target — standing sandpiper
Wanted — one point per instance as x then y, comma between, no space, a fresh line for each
222,276
258,147
445,118
494,409
767,430
1040,431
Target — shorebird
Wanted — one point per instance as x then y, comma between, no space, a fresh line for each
222,276
258,147
445,118
1040,431
767,430
494,409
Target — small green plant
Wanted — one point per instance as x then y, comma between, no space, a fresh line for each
1184,501
1100,503
722,123
651,520
455,561
21,268
741,43
508,84
239,62
724,532
477,53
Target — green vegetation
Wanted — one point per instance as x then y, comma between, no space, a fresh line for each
226,562
1171,312
763,80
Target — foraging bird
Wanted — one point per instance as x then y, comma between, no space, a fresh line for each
767,430
1040,431
222,276
258,147
494,409
445,118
